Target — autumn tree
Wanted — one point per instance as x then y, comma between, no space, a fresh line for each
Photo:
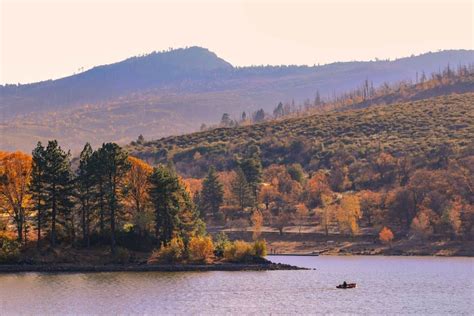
212,194
386,236
268,193
137,198
15,173
327,211
421,224
301,214
349,213
257,221
316,187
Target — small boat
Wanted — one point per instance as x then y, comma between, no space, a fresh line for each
347,286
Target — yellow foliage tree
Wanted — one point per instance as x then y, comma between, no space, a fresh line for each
137,199
15,174
349,213
327,211
257,221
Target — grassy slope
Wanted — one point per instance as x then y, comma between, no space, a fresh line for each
407,128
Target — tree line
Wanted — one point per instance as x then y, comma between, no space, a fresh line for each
106,193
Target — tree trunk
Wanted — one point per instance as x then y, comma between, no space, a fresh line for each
19,227
101,211
53,218
112,214
38,229
84,231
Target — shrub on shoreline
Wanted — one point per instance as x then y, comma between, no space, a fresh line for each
201,249
171,253
9,249
241,251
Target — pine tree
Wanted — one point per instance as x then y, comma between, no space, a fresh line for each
278,111
252,169
96,164
58,187
115,165
212,194
163,187
38,188
241,190
85,190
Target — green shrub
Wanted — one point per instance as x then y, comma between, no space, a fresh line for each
260,248
9,249
122,255
221,242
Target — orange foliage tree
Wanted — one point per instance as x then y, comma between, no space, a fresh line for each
137,199
301,214
15,174
386,235
257,221
316,186
193,186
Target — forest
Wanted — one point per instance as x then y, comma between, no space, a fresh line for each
394,172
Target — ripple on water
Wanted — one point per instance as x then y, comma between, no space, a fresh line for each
386,285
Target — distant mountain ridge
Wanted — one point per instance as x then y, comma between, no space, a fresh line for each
173,92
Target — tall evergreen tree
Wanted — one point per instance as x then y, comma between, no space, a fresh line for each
212,194
115,166
38,188
251,166
175,212
96,165
164,185
241,190
85,190
58,187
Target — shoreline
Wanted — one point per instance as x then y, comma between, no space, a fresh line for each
66,268
366,255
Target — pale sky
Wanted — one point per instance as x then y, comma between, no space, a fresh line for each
51,39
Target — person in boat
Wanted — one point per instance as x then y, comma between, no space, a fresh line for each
344,284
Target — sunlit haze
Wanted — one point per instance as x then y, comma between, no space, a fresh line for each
50,39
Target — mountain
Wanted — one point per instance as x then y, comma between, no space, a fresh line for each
173,92
421,129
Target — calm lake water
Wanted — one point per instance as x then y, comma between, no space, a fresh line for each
386,285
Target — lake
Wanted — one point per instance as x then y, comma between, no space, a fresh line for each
386,285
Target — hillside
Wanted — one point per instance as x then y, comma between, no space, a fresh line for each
173,92
417,129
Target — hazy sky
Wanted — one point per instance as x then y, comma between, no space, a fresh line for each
50,39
